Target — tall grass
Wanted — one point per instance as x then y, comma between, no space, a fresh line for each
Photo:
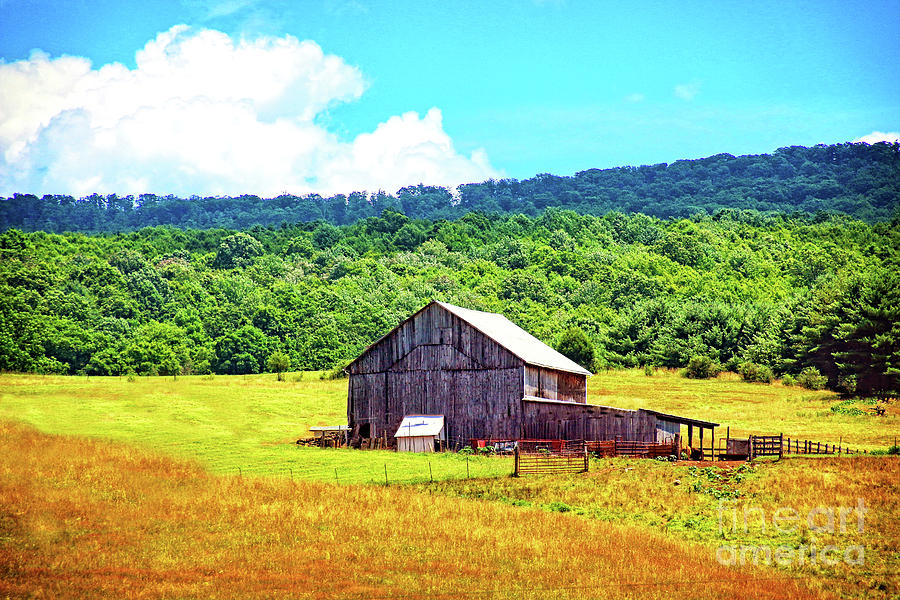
707,505
87,518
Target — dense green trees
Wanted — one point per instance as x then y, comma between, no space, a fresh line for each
575,345
771,292
857,179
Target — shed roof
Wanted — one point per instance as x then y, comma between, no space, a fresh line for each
681,420
420,425
515,339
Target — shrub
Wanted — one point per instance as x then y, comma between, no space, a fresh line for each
846,385
335,373
811,379
279,362
847,407
755,373
702,367
788,380
648,370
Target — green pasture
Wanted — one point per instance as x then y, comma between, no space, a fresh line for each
248,424
230,424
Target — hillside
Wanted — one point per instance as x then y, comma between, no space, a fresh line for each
788,293
860,180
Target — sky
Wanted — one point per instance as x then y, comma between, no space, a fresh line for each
225,97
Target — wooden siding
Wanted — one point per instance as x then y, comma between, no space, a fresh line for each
572,421
436,363
541,382
433,326
666,431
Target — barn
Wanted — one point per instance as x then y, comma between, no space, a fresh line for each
488,379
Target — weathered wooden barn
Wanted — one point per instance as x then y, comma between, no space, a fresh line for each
489,379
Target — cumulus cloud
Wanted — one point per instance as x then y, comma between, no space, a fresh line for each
687,91
202,113
879,136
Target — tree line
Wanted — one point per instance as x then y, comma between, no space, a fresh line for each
860,180
784,292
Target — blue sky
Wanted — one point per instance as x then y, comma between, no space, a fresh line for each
432,92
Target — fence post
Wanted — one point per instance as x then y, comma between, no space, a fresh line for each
516,468
780,446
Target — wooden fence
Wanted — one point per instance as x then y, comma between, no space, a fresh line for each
809,447
778,445
541,457
766,445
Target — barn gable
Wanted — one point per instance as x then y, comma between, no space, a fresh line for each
433,327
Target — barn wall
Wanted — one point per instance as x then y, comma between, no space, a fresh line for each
551,384
431,326
571,421
666,431
436,363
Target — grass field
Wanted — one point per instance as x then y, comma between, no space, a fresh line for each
244,424
707,505
89,518
225,426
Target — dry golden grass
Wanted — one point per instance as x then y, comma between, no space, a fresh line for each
685,501
94,519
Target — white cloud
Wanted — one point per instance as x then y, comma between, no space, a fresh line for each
687,91
202,113
879,136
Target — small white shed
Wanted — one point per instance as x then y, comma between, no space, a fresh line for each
417,433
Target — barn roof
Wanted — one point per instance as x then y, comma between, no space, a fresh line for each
515,339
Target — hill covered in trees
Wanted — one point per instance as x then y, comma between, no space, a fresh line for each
860,180
785,292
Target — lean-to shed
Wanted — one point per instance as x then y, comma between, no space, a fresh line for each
418,433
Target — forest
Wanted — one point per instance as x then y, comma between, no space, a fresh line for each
859,180
785,294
